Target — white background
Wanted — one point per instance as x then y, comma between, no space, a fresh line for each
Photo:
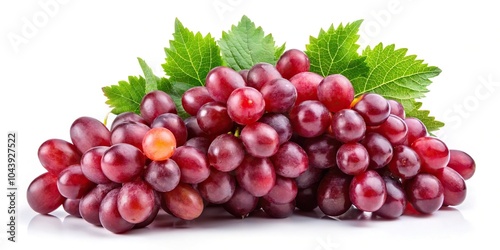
77,47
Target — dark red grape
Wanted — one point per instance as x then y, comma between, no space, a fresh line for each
462,162
135,201
395,204
290,160
57,154
279,95
454,188
333,193
306,84
336,92
245,105
348,126
379,149
194,98
87,132
352,158
184,202
42,194
226,152
193,164
175,124
367,191
433,153
241,204
162,176
310,118
260,74
110,217
256,175
425,193
260,139
280,123
405,162
156,103
122,162
218,188
213,118
221,81
292,62
284,191
374,108
72,183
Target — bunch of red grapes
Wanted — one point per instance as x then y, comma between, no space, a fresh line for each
275,138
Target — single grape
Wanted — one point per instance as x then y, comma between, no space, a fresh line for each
374,109
72,183
151,218
395,204
184,202
256,175
110,217
336,92
306,84
162,176
425,193
397,108
284,191
292,62
379,149
433,153
213,118
218,188
462,162
193,128
241,204
367,191
321,151
91,165
260,139
260,74
194,98
201,143
135,201
280,123
87,132
454,188
416,129
221,81
245,105
42,194
175,124
156,103
279,95
90,203
311,176
128,116
306,198
405,162
159,144
333,193
129,132
290,160
193,164
393,129
226,152
72,207
348,126
122,162
57,154
278,210
352,158
310,118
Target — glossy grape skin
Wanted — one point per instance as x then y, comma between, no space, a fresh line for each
57,154
90,203
395,204
306,84
278,210
194,98
72,207
260,139
226,152
321,151
352,158
244,73
308,178
162,176
87,132
454,187
151,218
462,162
72,183
279,95
129,132
416,129
193,128
156,103
379,149
367,191
42,194
280,123
292,62
261,73
127,117
201,143
348,126
306,199
284,191
91,165
221,81
333,193
241,204
425,193
433,153
218,188
193,164
397,109
213,118
110,217
122,162
374,109
310,118
184,202
291,160
175,124
158,144
256,175
336,92
405,163
245,105
136,201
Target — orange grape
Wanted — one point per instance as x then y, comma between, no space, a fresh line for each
158,144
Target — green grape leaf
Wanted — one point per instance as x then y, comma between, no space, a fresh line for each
413,109
126,96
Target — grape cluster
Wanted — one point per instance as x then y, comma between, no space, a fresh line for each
274,138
